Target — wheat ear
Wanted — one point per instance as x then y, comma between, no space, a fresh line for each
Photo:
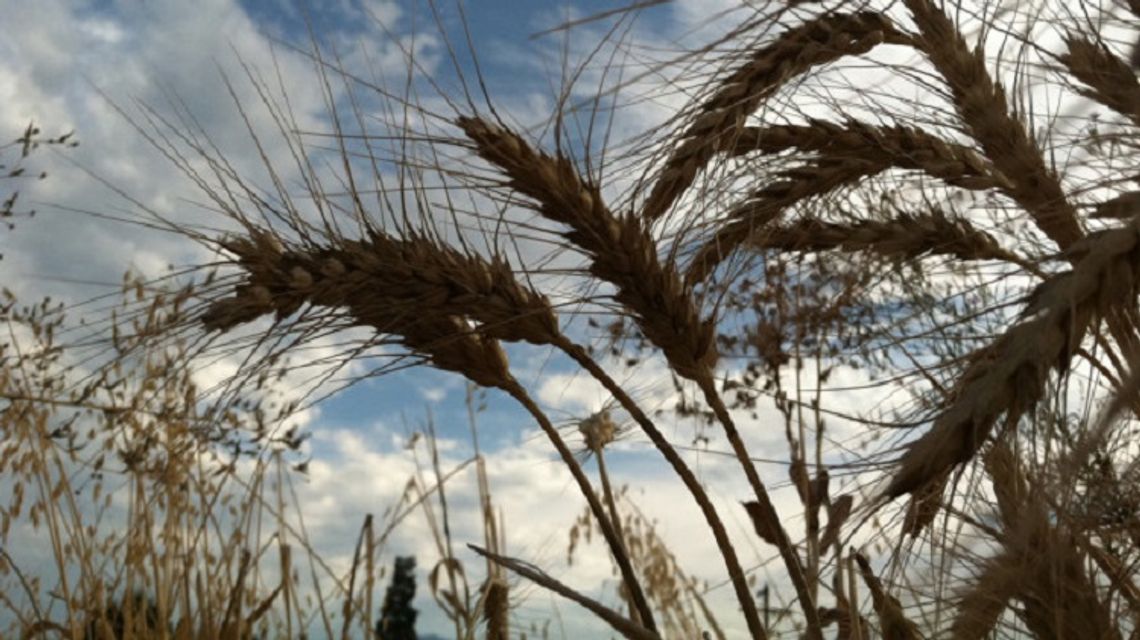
620,248
983,107
1107,79
847,154
496,610
1039,564
1008,377
904,237
749,218
820,41
426,295
891,146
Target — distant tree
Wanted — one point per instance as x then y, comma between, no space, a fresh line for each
133,617
398,617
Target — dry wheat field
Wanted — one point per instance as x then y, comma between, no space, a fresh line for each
882,256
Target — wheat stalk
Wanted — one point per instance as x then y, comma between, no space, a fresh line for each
537,576
796,51
623,253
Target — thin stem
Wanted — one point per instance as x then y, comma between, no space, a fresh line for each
617,547
608,493
608,496
727,551
783,542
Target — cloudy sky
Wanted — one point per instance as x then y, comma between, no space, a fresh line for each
72,65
